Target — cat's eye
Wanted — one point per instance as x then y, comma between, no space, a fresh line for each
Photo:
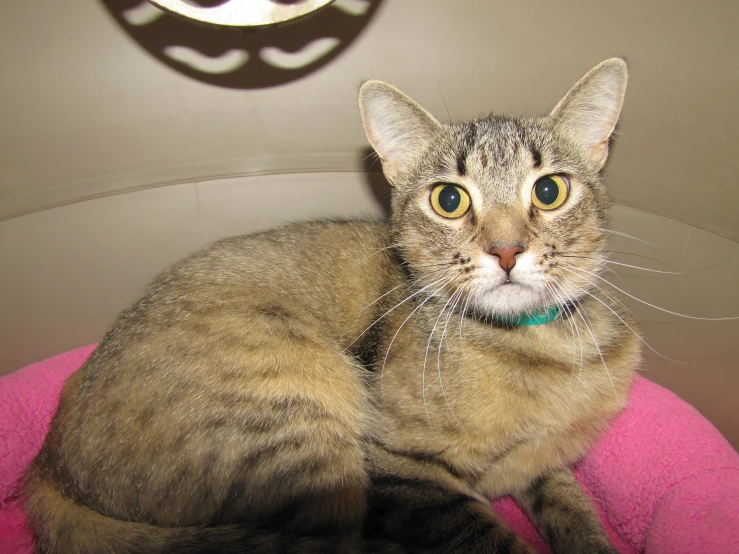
550,191
450,201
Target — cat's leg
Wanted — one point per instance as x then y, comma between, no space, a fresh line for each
425,508
259,449
301,469
564,514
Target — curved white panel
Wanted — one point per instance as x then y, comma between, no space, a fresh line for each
147,157
87,111
67,271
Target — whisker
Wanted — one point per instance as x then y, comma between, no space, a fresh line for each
595,285
620,234
553,292
428,346
425,358
393,308
423,371
387,353
617,276
407,284
604,260
645,268
571,318
381,297
378,251
683,273
444,101
621,264
462,320
622,253
583,315
458,294
626,324
372,154
652,305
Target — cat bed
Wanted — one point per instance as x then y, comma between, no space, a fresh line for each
663,478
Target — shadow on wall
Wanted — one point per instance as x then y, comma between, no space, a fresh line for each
377,183
243,58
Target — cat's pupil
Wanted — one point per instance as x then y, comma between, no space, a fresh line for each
449,198
546,190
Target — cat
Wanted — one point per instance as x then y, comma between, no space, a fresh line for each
357,386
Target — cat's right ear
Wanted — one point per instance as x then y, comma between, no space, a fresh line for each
396,126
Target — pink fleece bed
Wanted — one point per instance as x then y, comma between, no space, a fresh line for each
663,478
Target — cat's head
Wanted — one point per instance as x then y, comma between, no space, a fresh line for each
506,212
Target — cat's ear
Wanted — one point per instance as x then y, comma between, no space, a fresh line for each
396,126
589,112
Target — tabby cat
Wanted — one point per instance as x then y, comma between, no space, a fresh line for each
349,386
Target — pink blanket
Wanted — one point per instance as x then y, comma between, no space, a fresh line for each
663,478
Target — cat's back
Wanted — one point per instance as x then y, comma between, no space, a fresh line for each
298,255
309,268
201,357
317,276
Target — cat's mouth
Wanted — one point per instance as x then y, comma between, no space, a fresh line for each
509,283
510,297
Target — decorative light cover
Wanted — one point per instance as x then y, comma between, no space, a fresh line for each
243,13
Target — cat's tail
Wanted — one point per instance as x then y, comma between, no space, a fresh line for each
62,526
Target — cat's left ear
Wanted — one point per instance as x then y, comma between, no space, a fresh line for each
396,126
589,112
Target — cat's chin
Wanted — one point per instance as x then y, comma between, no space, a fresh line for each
510,299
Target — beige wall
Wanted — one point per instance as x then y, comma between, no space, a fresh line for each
86,111
92,123
68,271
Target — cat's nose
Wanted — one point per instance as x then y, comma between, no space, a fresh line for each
506,255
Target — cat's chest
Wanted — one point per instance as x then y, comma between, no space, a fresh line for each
543,416
494,402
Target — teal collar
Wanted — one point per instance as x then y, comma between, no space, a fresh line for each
538,318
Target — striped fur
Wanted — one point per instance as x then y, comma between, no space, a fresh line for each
348,386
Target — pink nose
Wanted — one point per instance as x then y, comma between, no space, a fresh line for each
506,255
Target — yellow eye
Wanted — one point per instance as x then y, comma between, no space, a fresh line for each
450,201
550,192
